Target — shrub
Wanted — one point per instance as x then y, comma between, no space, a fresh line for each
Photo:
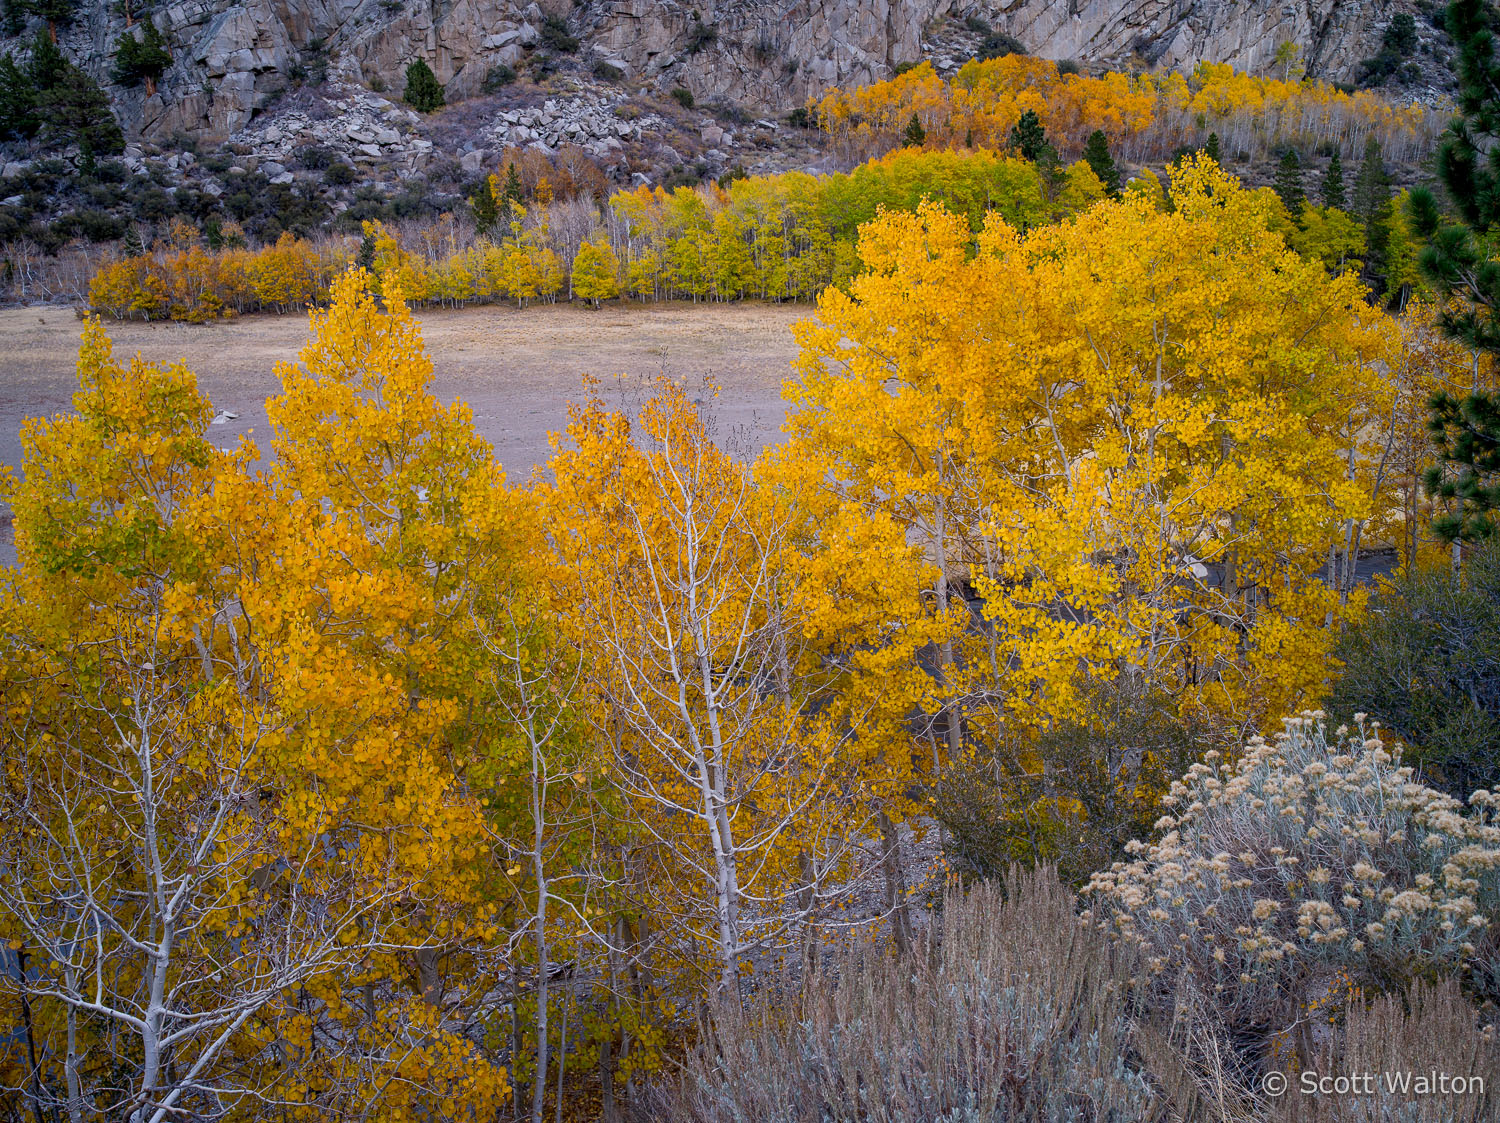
1425,662
315,157
607,72
700,36
1306,859
542,64
97,226
802,118
555,36
498,77
1018,1012
1428,1029
1397,45
424,92
338,174
997,44
767,48
1075,794
684,97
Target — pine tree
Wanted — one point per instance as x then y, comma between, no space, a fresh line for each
1096,155
1288,184
1333,183
510,197
48,65
77,111
1372,185
486,213
1458,263
424,92
1468,165
71,107
366,258
1211,149
1467,434
1371,205
133,245
17,102
1028,138
141,60
57,13
916,135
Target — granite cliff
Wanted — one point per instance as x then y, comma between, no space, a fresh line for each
231,59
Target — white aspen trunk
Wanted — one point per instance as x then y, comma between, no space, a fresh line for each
947,671
161,955
725,887
70,1068
538,821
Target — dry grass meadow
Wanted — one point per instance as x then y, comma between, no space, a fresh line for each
518,369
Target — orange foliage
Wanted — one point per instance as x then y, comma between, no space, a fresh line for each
1147,116
193,284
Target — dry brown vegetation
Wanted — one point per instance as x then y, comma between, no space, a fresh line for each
518,369
1017,1012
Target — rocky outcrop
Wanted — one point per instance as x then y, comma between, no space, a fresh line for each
775,53
766,55
1333,35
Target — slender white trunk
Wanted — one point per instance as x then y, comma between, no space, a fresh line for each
70,1067
947,671
538,820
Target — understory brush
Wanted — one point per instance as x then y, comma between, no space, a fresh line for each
1309,908
1017,1011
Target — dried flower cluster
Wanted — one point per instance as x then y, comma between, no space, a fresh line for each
1305,855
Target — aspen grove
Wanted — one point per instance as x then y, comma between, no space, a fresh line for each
346,778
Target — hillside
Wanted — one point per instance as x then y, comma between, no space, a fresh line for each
231,62
265,117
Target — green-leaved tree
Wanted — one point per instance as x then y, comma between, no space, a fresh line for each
1459,262
1288,184
142,60
1027,138
916,135
424,92
1096,154
1333,183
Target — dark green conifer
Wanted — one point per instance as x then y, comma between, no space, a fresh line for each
424,92
486,213
141,60
1333,183
916,135
1288,184
1028,139
1459,263
1096,155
